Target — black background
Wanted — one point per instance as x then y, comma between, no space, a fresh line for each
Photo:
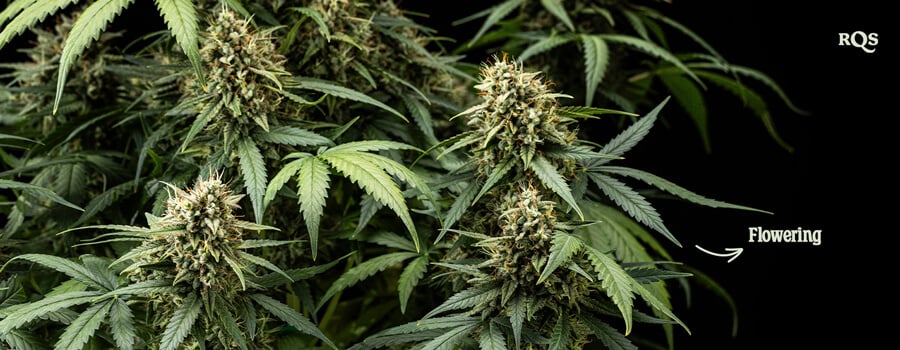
789,296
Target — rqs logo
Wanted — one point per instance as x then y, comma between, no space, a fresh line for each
865,42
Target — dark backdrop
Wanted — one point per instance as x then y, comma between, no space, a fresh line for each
790,296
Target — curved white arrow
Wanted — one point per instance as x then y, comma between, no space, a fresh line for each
733,252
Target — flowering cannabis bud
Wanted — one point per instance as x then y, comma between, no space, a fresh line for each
517,118
204,238
243,68
526,223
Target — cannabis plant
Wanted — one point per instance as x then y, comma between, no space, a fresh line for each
190,272
284,174
614,39
534,268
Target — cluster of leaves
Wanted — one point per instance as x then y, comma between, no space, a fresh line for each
313,115
608,34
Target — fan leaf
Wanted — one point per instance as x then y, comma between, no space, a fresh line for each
85,30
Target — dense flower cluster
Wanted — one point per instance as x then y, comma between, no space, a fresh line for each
526,225
243,69
517,118
204,237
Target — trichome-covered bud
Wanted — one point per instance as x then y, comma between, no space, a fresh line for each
517,118
243,70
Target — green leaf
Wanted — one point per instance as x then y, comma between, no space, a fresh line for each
121,324
596,60
496,175
459,206
633,203
104,200
210,110
181,17
710,284
545,44
516,311
282,177
390,239
495,15
237,7
678,26
375,342
40,308
163,132
14,221
466,299
402,173
11,293
274,279
689,97
616,282
253,227
609,336
436,323
248,315
70,180
617,232
577,269
636,23
563,247
410,277
368,206
253,259
316,17
581,112
627,139
23,340
83,328
653,50
334,89
655,303
363,271
648,275
29,13
369,146
492,338
466,269
254,169
673,189
579,153
84,31
421,116
238,267
68,267
459,141
560,338
180,323
312,189
752,100
551,178
223,313
361,69
765,79
37,191
291,317
13,9
378,184
259,243
450,339
556,8
289,135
